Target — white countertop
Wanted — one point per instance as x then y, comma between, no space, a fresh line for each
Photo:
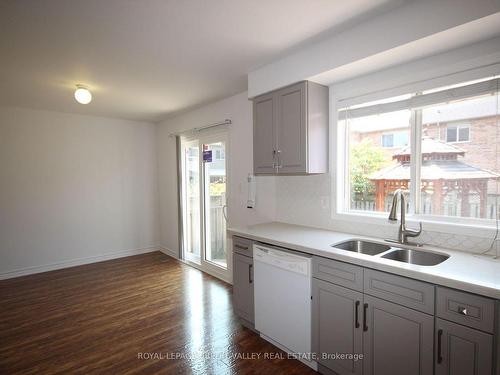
464,271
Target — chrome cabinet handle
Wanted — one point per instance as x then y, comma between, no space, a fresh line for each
278,153
462,310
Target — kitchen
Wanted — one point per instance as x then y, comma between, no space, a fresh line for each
250,187
398,302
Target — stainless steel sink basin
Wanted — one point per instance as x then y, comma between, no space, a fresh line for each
418,257
363,247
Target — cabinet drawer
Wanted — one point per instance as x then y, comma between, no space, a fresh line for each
243,246
401,290
343,274
464,308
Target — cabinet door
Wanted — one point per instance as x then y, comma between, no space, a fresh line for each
397,340
264,134
243,287
291,129
337,326
462,351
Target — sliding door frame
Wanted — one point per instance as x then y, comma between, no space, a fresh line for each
205,137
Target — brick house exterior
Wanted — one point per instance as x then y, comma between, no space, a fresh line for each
480,149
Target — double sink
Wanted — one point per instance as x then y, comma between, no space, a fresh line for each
417,257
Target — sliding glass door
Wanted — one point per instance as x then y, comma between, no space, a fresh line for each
191,201
204,193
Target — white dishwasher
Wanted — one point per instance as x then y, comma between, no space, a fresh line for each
282,287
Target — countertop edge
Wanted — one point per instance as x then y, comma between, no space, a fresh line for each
482,290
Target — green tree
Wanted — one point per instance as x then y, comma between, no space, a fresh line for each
364,161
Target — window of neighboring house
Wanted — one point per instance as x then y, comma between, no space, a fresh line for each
457,133
387,140
441,179
396,139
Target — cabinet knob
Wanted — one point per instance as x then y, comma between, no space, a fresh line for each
462,310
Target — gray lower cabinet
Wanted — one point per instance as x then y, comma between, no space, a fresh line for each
397,340
243,297
392,339
388,319
461,350
337,326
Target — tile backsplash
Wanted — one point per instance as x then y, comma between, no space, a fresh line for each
305,200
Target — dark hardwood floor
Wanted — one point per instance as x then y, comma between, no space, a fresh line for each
110,317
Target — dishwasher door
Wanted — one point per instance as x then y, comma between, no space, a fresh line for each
282,285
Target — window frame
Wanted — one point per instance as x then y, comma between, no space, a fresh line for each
340,209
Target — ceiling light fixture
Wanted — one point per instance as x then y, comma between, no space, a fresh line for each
82,95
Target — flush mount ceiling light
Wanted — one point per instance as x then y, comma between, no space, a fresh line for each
82,95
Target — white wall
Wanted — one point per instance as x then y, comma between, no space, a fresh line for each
74,189
410,22
239,109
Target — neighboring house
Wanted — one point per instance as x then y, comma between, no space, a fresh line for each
467,130
474,136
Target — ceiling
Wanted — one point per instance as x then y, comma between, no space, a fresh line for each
152,59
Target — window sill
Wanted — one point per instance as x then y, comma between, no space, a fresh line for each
452,226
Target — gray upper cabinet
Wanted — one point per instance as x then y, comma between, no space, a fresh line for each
264,132
291,130
462,351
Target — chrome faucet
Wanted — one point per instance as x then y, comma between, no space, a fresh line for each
403,232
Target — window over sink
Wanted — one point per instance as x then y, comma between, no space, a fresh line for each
441,146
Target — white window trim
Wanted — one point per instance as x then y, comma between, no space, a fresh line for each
453,225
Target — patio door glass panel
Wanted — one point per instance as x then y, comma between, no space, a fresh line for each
214,176
192,201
